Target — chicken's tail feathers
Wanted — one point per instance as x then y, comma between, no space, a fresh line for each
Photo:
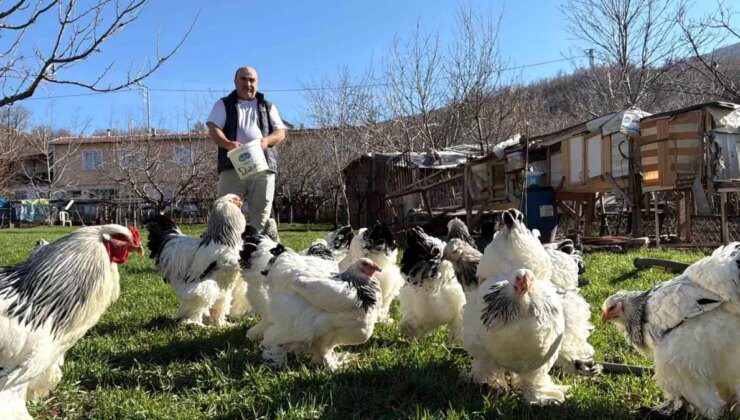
340,238
160,228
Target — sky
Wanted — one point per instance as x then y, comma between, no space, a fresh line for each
292,44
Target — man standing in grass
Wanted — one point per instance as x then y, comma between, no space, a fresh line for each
241,117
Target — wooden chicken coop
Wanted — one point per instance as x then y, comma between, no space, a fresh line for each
587,161
691,173
407,188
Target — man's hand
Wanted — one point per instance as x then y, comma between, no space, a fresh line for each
265,143
231,145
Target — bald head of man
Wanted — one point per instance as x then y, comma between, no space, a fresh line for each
246,83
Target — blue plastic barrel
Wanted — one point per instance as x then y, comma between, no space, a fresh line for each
541,212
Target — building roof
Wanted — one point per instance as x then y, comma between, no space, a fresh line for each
130,138
438,159
715,104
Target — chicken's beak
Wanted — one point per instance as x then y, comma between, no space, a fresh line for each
605,315
140,249
377,268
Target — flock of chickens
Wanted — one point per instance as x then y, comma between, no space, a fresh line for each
516,308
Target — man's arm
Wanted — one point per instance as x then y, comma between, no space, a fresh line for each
275,138
217,136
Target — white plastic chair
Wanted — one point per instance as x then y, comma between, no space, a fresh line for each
64,218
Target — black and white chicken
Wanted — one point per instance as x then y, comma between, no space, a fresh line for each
251,273
335,245
515,247
514,323
431,297
691,333
378,244
203,271
49,302
260,251
314,312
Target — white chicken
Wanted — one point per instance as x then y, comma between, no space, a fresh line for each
260,250
515,247
314,312
255,258
431,297
241,304
203,271
378,244
514,323
718,273
49,302
691,333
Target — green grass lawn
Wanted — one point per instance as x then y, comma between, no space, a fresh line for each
137,363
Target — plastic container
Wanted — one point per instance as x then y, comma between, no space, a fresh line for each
534,179
248,159
541,212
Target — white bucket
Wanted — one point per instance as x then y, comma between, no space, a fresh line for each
248,159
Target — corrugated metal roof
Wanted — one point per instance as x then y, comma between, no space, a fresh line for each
438,159
130,137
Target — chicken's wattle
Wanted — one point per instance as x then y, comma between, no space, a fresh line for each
117,252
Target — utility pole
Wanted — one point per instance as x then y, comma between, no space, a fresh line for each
145,97
590,53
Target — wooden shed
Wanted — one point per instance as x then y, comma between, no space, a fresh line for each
407,187
589,157
690,166
674,146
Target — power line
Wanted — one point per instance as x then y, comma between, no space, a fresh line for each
302,89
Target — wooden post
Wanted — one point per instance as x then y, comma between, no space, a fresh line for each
684,218
657,218
689,202
635,186
723,211
589,216
466,196
425,200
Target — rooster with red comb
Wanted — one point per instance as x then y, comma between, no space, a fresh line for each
203,271
49,302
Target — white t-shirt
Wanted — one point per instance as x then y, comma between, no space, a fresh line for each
247,129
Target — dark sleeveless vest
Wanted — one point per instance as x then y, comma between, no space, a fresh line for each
230,126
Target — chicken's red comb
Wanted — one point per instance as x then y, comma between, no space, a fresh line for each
135,234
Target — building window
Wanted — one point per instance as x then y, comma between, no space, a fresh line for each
183,156
92,160
129,159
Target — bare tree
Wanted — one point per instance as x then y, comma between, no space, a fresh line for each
340,109
13,121
161,171
42,163
415,89
483,98
633,42
300,174
703,37
78,31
